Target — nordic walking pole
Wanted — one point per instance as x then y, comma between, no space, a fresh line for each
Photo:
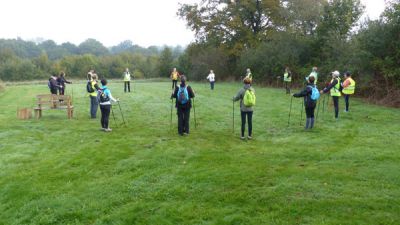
290,110
327,104
301,111
170,124
112,112
233,116
318,105
123,119
194,110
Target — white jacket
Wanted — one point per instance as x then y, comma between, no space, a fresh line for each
211,77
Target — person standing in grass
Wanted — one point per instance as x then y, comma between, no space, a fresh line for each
334,88
53,85
246,109
349,85
287,78
183,103
104,97
127,80
309,103
174,77
92,88
211,78
61,82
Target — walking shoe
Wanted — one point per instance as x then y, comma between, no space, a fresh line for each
242,138
249,137
108,130
102,129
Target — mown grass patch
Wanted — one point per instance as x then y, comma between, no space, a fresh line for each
60,171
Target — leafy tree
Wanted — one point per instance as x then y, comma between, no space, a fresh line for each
165,63
92,46
239,24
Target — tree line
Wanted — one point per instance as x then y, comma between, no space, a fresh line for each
266,36
27,60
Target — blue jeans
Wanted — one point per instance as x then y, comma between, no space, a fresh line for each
94,104
212,85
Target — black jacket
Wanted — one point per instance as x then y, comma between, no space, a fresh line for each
306,93
61,81
331,85
190,93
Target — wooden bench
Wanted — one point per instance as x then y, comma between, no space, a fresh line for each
52,101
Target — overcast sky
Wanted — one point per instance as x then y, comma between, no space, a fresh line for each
144,22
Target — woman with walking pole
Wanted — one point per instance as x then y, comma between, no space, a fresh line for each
334,88
183,103
309,102
247,98
104,96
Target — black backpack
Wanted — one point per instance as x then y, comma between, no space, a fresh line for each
89,87
102,96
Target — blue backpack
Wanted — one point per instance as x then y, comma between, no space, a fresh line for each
183,95
314,93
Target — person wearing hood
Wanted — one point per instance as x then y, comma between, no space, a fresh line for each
245,111
183,95
309,103
334,88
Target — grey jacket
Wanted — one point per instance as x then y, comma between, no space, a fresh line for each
240,95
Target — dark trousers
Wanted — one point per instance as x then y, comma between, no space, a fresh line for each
174,82
183,119
93,106
127,84
105,115
61,90
53,91
212,85
249,122
346,100
310,116
336,105
310,112
287,87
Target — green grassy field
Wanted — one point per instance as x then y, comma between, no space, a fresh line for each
60,171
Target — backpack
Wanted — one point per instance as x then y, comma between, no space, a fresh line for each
183,95
249,98
102,96
314,93
89,87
